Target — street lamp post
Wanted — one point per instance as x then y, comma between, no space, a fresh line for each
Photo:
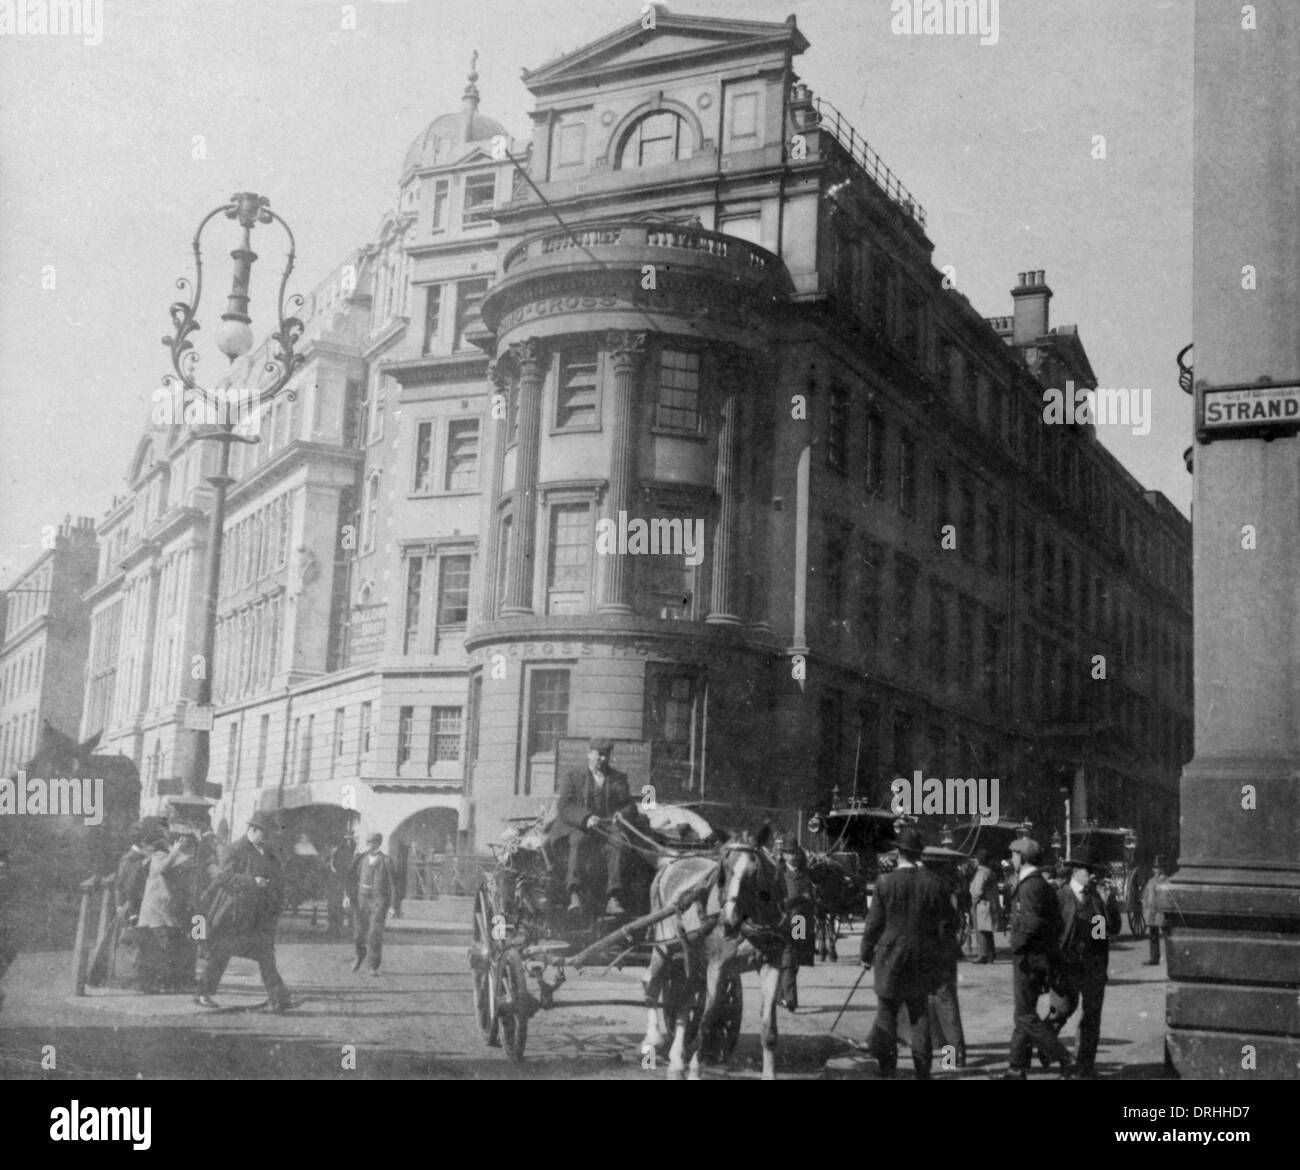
234,339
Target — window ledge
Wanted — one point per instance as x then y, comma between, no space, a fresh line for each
438,495
690,436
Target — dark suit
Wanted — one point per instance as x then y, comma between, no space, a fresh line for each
372,889
579,798
800,926
1035,949
242,916
1084,959
906,937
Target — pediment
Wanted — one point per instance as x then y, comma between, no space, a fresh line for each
677,39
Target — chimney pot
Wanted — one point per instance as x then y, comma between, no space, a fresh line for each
1020,280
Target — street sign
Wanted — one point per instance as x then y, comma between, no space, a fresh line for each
1255,410
198,718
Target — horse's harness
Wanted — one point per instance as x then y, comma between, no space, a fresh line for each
764,936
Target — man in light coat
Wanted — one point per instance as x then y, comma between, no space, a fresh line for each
372,889
984,905
1152,914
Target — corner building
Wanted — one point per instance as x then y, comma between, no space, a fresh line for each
738,324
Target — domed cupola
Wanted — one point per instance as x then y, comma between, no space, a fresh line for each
448,135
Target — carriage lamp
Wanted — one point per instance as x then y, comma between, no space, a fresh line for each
1130,842
234,338
945,836
1056,840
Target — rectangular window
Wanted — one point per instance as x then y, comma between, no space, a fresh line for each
881,290
993,536
575,399
414,592
938,635
872,567
423,458
905,574
568,562
911,336
835,559
673,698
296,749
967,540
548,710
480,195
744,115
1031,564
1049,573
309,737
906,475
1067,584
469,296
432,317
405,735
992,662
232,754
440,190
679,391
837,439
453,590
340,720
365,738
965,644
942,493
461,473
875,469
445,727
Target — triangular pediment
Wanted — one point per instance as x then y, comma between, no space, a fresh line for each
677,39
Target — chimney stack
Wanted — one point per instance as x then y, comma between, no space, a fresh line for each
1030,297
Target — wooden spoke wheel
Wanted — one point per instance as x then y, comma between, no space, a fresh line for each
1137,922
719,1046
486,970
512,1004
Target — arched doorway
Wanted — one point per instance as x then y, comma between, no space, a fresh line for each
421,845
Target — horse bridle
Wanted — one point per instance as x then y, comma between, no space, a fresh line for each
744,926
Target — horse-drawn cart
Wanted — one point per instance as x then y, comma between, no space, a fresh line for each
522,931
1116,849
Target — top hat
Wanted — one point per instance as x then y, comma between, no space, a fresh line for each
598,743
1085,858
911,841
261,820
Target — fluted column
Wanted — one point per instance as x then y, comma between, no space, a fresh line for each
722,604
626,351
529,358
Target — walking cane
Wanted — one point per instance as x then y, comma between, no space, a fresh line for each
846,1002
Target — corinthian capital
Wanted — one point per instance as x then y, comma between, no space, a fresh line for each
626,348
529,355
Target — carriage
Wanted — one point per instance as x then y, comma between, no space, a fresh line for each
522,931
1116,848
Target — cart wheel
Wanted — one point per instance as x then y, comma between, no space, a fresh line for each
726,1031
512,1004
487,976
1137,922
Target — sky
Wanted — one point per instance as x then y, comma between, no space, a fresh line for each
111,153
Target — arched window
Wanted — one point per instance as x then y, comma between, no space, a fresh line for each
658,138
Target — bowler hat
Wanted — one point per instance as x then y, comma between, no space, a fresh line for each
1085,858
261,820
910,841
1027,847
600,744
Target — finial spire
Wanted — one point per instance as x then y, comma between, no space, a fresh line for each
471,90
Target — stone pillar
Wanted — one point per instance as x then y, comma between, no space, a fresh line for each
722,600
1233,908
530,358
626,351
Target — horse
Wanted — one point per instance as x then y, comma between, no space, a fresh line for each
729,920
837,897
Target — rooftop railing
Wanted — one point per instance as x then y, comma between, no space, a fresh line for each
834,123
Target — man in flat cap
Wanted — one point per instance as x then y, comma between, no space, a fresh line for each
908,930
372,889
1035,951
1087,924
587,797
241,908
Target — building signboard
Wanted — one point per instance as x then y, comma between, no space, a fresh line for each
1257,410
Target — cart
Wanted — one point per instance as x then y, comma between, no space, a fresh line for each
522,931
1116,848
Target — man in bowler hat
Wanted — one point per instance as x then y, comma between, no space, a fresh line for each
241,908
906,936
1087,924
372,888
1035,950
588,796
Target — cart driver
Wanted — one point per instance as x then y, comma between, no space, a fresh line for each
587,798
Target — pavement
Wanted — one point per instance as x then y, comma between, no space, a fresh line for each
415,1020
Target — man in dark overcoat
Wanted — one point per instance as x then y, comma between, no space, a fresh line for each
906,938
1087,921
1036,950
800,922
371,891
242,906
588,796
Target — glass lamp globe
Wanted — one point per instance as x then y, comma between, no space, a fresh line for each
234,338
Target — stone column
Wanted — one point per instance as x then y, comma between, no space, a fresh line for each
722,603
626,351
530,360
1233,908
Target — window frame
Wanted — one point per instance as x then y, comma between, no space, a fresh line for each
598,364
700,429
